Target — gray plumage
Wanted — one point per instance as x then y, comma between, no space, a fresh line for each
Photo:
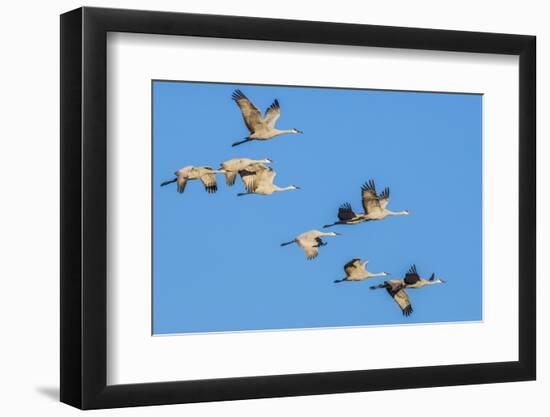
310,242
258,179
260,128
374,206
396,288
357,271
205,174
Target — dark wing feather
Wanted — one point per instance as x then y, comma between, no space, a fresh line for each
411,277
345,212
351,265
384,197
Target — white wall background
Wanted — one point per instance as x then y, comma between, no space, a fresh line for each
29,212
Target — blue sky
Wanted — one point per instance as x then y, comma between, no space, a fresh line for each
217,263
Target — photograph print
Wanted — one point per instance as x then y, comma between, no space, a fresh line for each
304,207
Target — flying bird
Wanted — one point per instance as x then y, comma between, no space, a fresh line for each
232,167
260,128
258,179
310,242
205,174
396,288
357,271
374,206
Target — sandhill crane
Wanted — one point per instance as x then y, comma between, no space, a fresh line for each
205,174
396,288
310,242
374,207
357,271
258,179
261,128
233,166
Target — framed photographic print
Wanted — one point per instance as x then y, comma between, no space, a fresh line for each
257,208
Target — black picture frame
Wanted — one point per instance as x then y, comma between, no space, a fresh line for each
84,207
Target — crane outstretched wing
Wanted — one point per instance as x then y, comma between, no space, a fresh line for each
182,182
251,115
230,177
384,197
402,299
182,174
263,178
411,277
252,169
369,197
345,212
248,175
352,265
255,175
209,181
248,180
272,113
